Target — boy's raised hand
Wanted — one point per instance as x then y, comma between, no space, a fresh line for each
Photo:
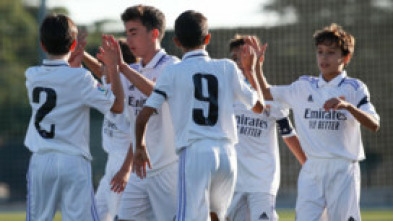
255,43
76,57
109,51
248,61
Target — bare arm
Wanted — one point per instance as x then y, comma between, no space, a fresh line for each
75,59
294,145
265,87
138,80
107,55
93,64
365,119
260,50
141,158
248,59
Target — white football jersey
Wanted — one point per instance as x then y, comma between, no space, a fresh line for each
159,133
327,134
201,93
61,98
116,136
258,159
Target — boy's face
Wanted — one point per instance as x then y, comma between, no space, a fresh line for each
330,59
235,56
139,39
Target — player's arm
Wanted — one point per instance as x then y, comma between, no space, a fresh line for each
364,118
94,65
248,59
138,80
294,146
107,53
141,158
260,50
291,139
75,59
119,181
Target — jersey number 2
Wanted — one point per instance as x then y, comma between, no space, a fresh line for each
211,98
49,104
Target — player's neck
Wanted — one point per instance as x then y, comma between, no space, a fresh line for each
330,76
185,50
58,57
150,55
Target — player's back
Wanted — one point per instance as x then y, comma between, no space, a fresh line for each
60,97
202,97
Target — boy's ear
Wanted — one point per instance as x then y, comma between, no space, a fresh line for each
207,39
177,42
156,33
43,47
73,45
347,58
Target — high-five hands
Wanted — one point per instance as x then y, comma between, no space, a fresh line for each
255,43
76,57
109,51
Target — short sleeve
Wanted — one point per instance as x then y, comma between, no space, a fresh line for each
96,95
362,101
242,91
283,93
162,89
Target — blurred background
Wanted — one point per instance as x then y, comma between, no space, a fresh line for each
287,25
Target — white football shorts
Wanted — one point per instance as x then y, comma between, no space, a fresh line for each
207,177
60,181
150,199
252,206
333,184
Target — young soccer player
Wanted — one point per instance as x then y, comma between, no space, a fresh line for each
328,111
153,198
200,92
116,139
61,96
258,160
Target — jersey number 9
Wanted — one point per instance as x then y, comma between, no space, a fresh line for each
212,98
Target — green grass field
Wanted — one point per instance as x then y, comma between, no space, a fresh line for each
285,215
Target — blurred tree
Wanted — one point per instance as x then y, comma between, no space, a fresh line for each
18,45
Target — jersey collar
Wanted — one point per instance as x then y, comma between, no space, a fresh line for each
334,82
54,63
195,53
160,55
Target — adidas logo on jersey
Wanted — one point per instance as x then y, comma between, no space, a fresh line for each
310,99
263,216
131,87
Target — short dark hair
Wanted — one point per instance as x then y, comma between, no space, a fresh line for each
128,56
236,41
149,16
335,34
191,29
57,33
